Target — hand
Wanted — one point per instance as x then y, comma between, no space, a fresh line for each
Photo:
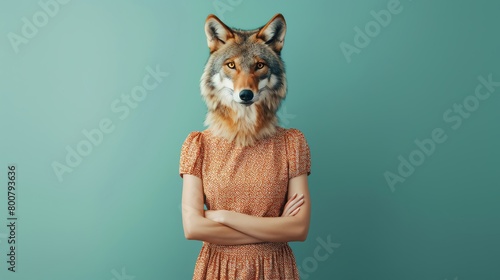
215,215
292,207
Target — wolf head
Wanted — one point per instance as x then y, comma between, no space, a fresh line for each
244,80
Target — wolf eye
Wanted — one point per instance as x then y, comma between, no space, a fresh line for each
260,65
230,65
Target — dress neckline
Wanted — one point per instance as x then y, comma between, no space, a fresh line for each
278,131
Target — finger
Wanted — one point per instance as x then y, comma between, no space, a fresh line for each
287,205
293,207
294,199
295,212
296,204
291,199
286,212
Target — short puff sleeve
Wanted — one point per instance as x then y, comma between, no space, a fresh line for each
191,158
298,153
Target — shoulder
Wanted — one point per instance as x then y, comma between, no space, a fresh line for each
194,136
194,140
298,152
192,154
296,142
198,136
293,134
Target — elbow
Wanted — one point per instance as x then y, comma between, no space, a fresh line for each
297,232
190,231
302,233
189,235
302,238
192,227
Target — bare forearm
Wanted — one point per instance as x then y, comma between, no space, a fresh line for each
203,229
197,226
271,229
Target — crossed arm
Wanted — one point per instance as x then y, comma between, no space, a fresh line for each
232,228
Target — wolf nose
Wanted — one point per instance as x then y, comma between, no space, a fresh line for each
246,95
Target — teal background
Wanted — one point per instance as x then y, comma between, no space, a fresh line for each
120,208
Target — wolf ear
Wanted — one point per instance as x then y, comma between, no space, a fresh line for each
273,33
217,32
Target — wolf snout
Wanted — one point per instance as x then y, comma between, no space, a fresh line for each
246,95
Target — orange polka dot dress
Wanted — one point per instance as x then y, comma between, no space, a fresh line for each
252,180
